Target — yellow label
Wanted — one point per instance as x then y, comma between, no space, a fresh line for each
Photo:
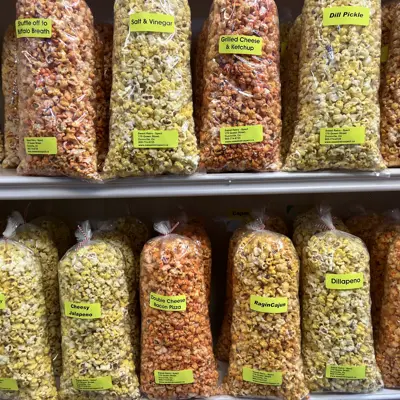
346,15
385,54
269,305
239,44
7,384
155,139
242,134
262,377
344,281
346,135
92,384
345,372
41,146
283,48
152,22
82,310
168,303
34,28
2,301
174,377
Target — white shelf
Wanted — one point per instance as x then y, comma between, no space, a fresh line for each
13,186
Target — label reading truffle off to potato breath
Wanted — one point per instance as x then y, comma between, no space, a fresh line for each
82,310
152,22
174,377
342,136
269,305
34,28
168,303
238,44
40,146
92,384
153,139
8,384
262,377
2,301
345,372
347,15
242,134
344,281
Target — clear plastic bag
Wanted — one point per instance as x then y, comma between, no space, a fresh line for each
338,89
388,13
176,332
242,90
152,127
387,349
56,91
265,358
9,74
97,349
338,347
106,32
25,361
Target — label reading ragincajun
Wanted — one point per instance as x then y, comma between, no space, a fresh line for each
238,44
8,384
385,54
168,303
347,15
2,301
345,372
261,377
93,384
82,310
152,22
242,134
174,377
269,305
155,139
344,281
342,136
41,146
33,28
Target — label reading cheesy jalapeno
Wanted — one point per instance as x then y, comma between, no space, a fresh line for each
174,377
345,372
168,303
82,310
2,301
344,281
347,15
262,377
34,28
239,44
269,305
92,384
8,384
152,22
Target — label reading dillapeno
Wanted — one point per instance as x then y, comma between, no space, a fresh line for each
242,134
342,136
269,305
92,384
8,384
34,28
347,15
238,44
344,281
168,303
345,372
174,377
262,377
82,310
155,139
41,146
152,22
2,301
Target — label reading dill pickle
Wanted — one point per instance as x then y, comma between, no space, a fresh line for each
262,377
41,146
332,136
344,281
82,310
2,301
152,22
239,44
385,54
34,28
347,15
242,134
345,372
153,139
174,377
168,303
8,384
92,384
269,305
